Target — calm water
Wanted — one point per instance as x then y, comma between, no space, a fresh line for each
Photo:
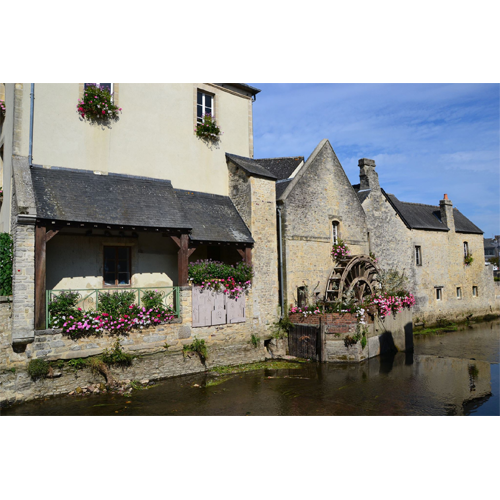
454,373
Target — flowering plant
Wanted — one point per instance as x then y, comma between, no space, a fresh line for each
97,104
2,107
468,259
384,303
208,128
306,310
340,250
213,275
97,322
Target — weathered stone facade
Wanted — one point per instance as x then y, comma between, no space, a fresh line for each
441,254
318,195
162,345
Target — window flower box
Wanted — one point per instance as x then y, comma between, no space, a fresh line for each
97,105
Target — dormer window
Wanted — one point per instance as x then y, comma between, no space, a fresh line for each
205,105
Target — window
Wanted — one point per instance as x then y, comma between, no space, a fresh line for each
459,292
439,294
108,86
474,291
335,232
116,266
301,296
466,249
205,105
418,256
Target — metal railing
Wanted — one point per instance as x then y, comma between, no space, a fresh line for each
88,298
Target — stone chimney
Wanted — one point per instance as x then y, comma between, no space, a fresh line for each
367,175
446,207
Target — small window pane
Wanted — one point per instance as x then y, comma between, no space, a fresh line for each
208,101
109,252
123,278
109,266
199,99
109,278
123,252
199,112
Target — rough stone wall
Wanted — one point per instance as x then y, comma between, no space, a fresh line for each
255,200
442,264
161,347
319,194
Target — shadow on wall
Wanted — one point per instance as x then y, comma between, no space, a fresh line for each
399,340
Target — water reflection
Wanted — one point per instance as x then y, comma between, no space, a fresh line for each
439,378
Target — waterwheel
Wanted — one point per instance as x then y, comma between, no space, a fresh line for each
357,273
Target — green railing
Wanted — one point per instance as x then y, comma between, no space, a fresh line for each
89,298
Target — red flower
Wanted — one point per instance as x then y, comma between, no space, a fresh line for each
103,112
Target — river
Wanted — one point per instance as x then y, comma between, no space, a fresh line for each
454,373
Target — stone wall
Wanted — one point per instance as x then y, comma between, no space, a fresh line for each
161,347
389,334
319,194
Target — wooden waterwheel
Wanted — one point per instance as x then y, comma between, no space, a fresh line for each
357,273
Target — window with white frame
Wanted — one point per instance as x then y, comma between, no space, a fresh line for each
205,105
459,292
335,232
439,294
474,291
466,249
418,256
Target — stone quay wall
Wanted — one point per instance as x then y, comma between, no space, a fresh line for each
392,333
159,350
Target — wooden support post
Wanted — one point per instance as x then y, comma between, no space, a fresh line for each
41,238
40,276
246,254
184,253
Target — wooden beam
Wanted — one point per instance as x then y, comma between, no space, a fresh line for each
246,254
40,276
50,234
182,261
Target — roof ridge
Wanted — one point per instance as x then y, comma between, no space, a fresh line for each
208,195
280,158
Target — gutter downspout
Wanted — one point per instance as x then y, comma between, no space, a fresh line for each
32,108
280,263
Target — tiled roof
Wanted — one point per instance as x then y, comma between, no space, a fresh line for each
213,217
81,196
251,166
282,168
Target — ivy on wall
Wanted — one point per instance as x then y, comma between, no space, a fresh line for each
6,257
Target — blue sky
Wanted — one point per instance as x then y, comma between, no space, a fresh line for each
426,139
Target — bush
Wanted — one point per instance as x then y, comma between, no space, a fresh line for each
152,299
63,306
116,356
197,346
6,259
38,368
116,303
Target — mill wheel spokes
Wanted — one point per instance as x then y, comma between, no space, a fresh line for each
357,275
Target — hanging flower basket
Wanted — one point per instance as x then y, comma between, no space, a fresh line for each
340,251
208,129
97,105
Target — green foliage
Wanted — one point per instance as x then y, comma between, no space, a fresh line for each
496,278
208,128
57,364
152,299
255,340
6,259
494,260
78,363
393,282
468,259
97,104
62,306
363,341
198,346
205,270
13,369
38,368
116,303
116,356
280,329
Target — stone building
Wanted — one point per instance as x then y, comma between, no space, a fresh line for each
433,244
317,205
129,203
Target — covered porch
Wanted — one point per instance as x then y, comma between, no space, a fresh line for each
102,233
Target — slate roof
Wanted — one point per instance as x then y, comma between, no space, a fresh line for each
251,166
282,168
420,216
281,185
71,195
362,195
82,196
213,217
